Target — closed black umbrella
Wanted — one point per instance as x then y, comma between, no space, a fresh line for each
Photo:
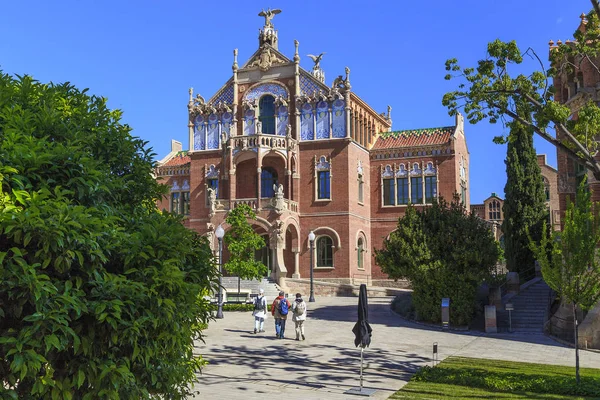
362,330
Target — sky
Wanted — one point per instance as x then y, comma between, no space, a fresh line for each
144,56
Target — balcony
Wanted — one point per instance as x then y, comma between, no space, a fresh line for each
270,142
265,204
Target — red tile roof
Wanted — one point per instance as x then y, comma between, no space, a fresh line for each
414,137
180,158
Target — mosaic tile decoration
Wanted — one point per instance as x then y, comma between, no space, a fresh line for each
307,123
338,119
213,132
308,86
322,120
282,120
199,133
226,95
270,88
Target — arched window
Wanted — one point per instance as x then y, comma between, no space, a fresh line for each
360,250
268,178
266,107
324,252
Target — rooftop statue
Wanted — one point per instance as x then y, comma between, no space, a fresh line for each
316,60
269,14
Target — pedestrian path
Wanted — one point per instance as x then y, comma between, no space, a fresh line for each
244,366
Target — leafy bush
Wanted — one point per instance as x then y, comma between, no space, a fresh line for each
403,305
98,289
445,252
238,307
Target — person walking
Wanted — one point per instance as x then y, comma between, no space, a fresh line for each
279,309
260,311
299,315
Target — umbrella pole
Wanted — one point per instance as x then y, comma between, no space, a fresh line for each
361,367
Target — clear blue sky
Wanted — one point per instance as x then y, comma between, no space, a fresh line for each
144,55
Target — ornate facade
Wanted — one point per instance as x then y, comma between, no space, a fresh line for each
307,156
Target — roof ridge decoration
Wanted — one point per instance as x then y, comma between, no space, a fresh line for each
417,132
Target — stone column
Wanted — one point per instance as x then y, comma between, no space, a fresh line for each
258,187
296,274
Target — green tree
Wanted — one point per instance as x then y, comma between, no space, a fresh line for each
492,91
444,252
525,202
572,268
98,288
242,242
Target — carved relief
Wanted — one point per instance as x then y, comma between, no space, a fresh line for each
266,59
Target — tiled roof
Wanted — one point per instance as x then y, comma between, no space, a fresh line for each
414,137
180,158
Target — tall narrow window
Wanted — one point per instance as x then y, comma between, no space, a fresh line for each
360,188
266,117
416,190
402,190
268,178
359,253
324,185
175,202
324,252
388,192
185,203
430,189
323,178
463,194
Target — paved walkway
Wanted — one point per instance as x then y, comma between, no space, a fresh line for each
245,366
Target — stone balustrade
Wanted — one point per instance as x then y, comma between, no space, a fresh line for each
265,204
272,142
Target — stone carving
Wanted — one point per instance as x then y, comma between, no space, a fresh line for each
210,234
281,101
278,233
316,60
269,15
266,59
341,83
212,202
279,203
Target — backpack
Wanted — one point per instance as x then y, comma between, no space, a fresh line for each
300,308
259,303
283,306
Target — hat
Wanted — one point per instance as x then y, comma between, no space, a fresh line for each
281,293
261,290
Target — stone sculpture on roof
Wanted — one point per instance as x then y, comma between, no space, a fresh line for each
269,15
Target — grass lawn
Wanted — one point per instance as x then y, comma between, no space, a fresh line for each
474,378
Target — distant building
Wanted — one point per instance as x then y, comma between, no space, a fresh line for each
307,156
492,209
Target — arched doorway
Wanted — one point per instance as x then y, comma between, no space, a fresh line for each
268,178
265,255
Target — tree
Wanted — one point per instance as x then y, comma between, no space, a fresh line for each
444,252
99,290
572,268
242,242
488,91
525,202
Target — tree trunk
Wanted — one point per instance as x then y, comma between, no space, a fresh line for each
576,343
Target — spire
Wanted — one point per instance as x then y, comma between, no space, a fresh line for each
268,34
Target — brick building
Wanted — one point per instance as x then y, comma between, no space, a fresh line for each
574,88
307,156
492,209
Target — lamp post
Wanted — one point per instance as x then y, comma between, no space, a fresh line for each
311,239
219,233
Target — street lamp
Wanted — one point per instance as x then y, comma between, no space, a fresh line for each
311,239
219,233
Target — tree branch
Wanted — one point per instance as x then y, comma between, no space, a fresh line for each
596,7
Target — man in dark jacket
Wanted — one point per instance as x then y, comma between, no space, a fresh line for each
279,310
